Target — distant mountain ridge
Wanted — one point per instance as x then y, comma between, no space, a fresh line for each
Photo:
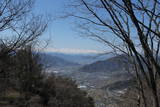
81,58
54,61
117,63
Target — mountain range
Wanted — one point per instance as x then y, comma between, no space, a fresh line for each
106,63
55,61
82,59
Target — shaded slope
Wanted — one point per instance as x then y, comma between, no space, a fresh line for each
117,63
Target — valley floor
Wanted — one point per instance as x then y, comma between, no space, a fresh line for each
99,85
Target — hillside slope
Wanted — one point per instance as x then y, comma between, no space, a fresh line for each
113,64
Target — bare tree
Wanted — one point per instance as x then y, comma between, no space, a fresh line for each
130,27
18,28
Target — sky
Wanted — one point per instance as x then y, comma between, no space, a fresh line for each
61,32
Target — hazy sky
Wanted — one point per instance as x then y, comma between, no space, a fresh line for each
64,37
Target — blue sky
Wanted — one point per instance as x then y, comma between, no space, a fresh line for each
61,31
